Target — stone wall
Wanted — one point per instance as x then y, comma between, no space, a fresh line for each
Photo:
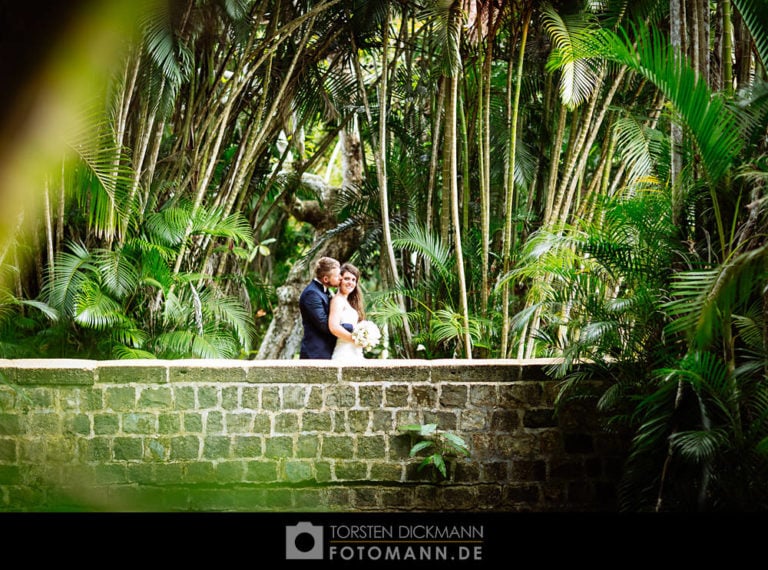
297,436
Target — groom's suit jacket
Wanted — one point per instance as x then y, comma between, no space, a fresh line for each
314,304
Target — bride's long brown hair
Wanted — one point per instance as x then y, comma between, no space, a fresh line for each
355,298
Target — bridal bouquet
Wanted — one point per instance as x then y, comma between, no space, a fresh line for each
366,334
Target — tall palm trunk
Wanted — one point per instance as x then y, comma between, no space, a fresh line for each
379,144
510,186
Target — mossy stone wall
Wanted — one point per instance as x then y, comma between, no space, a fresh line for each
201,435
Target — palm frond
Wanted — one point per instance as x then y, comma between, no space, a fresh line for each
702,296
698,446
578,78
756,18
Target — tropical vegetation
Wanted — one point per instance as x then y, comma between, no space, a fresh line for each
573,179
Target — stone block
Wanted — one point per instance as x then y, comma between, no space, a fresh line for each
250,398
371,396
214,423
396,396
10,424
248,446
297,471
183,397
316,421
120,399
382,420
51,373
386,472
315,398
279,447
340,397
270,398
337,447
323,471
365,498
466,472
357,421
7,398
238,422
473,420
495,471
338,498
149,372
228,472
458,498
169,423
169,473
43,423
489,496
382,371
453,395
400,497
140,473
97,449
40,397
262,423
106,424
297,374
424,395
218,447
310,500
505,421
127,449
426,498
529,495
230,398
307,446
8,453
286,423
445,420
221,372
110,474
371,447
483,395
279,499
77,423
294,397
525,470
157,449
207,397
351,471
185,447
539,418
526,394
141,423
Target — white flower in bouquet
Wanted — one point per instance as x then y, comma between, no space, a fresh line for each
366,334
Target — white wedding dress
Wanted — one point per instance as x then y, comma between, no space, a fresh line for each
346,351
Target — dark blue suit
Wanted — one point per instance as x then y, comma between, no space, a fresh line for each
314,303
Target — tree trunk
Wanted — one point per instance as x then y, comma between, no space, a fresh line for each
283,338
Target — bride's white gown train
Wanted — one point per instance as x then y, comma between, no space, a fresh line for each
348,351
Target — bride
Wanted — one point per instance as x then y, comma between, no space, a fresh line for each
346,308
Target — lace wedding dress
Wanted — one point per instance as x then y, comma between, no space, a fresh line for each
348,351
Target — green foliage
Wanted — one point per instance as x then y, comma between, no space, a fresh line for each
438,445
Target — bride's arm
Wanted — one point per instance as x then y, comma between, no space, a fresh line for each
334,319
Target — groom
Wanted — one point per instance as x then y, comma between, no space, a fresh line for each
314,304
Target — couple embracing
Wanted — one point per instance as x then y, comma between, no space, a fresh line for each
328,318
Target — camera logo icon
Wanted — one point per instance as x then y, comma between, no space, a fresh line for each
304,541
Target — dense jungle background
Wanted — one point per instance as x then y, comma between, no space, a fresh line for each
572,179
